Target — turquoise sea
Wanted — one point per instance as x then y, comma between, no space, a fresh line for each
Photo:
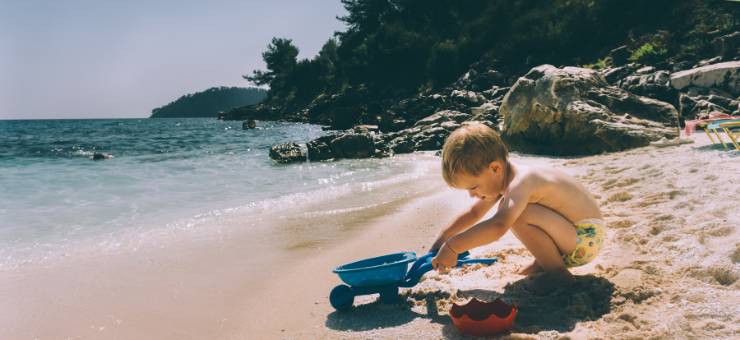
168,175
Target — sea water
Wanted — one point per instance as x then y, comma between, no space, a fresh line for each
169,175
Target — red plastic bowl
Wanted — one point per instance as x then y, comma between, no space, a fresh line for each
483,318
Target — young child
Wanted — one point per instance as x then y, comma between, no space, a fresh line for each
552,214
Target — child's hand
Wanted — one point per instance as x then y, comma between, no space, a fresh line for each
445,259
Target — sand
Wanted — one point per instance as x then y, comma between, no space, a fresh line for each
669,269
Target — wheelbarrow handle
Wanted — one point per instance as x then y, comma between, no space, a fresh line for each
415,274
473,261
428,258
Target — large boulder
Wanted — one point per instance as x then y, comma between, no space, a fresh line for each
342,145
725,76
319,149
353,145
574,111
287,153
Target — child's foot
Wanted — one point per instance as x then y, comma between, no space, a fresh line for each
531,269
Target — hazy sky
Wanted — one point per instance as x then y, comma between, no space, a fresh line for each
120,59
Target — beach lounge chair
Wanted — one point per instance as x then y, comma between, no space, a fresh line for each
731,127
703,121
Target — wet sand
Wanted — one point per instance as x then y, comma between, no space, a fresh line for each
231,284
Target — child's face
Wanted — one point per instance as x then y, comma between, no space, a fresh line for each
487,185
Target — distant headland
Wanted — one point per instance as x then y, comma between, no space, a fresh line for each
210,102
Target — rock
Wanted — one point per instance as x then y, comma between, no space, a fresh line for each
442,116
353,145
645,70
700,105
653,85
487,109
725,76
410,110
99,156
480,77
574,111
496,93
365,128
467,98
480,85
705,91
721,101
703,106
401,145
614,74
319,149
389,123
709,61
450,126
727,45
686,106
680,65
427,134
249,124
287,153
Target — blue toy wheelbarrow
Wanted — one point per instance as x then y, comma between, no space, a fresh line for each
385,275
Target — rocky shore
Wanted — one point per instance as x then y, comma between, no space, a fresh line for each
549,110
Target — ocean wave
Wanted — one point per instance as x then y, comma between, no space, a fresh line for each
348,189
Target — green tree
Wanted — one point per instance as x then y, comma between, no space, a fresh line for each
280,58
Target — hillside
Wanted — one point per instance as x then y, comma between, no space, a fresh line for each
209,102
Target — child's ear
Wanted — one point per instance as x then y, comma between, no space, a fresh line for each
494,166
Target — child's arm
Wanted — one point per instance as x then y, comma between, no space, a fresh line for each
494,228
484,232
463,222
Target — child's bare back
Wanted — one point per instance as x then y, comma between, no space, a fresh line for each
555,190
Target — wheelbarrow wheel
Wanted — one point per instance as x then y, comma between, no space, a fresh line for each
342,298
389,295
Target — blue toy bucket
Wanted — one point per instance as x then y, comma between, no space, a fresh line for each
376,271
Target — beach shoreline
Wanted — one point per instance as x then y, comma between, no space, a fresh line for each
669,269
199,286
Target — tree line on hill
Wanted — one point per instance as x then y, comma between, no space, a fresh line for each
210,102
392,49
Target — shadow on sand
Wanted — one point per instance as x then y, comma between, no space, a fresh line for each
588,298
729,151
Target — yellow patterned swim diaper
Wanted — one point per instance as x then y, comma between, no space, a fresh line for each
590,237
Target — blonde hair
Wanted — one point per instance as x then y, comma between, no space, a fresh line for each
469,149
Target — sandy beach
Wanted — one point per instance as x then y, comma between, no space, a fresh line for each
669,270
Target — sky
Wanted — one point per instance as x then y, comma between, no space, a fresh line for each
121,59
